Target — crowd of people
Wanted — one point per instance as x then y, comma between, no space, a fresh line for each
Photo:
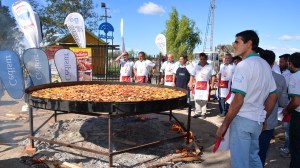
250,95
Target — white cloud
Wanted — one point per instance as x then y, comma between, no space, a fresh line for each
289,37
282,50
151,8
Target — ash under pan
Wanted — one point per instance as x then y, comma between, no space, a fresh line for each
108,107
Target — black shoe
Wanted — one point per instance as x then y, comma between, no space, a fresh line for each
196,116
203,117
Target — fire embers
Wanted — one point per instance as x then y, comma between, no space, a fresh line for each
179,129
186,152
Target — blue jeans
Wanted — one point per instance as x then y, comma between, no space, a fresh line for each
223,106
286,127
244,144
264,143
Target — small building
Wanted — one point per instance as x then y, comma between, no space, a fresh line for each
97,45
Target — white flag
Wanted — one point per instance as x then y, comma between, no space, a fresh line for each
122,35
75,24
161,43
26,20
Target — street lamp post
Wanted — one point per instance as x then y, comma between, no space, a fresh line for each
103,5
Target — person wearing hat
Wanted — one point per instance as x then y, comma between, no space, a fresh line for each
126,71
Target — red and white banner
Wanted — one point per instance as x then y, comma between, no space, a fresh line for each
26,20
65,61
75,24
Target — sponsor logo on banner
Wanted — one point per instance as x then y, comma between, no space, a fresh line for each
75,24
37,65
11,73
161,43
26,20
84,63
65,61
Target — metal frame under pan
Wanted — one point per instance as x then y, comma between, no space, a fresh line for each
108,110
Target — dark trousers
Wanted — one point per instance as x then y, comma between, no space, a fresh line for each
223,106
295,140
264,143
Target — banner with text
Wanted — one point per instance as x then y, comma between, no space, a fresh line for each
65,61
11,74
75,24
26,20
37,65
84,63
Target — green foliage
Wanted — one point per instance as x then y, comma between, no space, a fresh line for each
182,35
53,15
10,36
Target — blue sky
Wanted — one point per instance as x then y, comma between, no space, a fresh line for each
277,22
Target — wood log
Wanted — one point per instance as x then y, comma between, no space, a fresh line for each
70,165
186,159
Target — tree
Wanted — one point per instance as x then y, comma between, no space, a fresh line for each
182,35
10,36
53,15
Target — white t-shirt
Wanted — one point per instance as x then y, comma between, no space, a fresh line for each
253,78
189,67
126,69
294,86
202,76
143,68
167,68
286,74
226,72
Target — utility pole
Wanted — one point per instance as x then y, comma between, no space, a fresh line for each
103,5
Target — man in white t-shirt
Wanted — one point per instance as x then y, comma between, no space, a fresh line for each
293,108
166,71
224,77
126,71
143,69
284,67
204,73
254,99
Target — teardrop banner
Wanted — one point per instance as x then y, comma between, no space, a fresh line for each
11,74
65,61
161,43
75,24
37,65
26,20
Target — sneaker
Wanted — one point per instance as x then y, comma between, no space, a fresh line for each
203,117
196,116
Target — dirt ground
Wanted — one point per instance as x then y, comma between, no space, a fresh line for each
14,129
